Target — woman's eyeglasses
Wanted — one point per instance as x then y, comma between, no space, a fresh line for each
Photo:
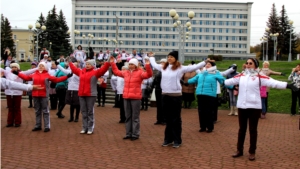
249,63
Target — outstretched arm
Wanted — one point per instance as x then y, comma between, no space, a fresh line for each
100,72
154,64
74,69
194,67
65,71
148,73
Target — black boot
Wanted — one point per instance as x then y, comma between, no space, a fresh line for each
77,113
71,113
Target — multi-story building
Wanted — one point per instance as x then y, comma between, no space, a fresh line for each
219,27
23,44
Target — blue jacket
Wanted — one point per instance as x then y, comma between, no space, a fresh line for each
207,82
60,74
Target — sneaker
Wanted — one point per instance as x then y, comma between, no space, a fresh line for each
82,132
46,130
17,125
9,125
89,132
176,145
165,144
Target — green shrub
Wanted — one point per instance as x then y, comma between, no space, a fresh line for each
216,57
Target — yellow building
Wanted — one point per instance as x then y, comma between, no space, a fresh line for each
23,43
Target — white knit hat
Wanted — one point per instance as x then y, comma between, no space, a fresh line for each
91,62
45,65
134,61
163,60
45,55
15,65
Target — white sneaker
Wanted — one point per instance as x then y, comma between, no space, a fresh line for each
82,132
89,132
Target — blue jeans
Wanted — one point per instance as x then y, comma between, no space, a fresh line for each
263,105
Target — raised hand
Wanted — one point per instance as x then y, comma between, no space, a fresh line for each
111,59
70,75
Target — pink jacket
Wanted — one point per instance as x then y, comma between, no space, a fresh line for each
133,80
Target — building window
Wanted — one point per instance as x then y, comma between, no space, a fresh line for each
220,30
200,15
15,37
214,30
200,22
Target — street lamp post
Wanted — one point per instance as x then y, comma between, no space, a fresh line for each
89,36
50,44
76,32
290,53
121,42
38,31
104,39
274,37
181,29
267,39
263,41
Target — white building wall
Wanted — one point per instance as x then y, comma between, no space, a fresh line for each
224,27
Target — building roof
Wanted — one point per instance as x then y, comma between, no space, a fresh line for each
184,1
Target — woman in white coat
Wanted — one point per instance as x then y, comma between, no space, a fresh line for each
249,102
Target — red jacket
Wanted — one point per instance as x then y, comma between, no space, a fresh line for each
133,80
88,79
42,79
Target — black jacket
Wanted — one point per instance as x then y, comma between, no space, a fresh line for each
156,81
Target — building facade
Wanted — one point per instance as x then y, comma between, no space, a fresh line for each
23,43
222,28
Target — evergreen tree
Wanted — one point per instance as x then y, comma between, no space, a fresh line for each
6,36
284,39
273,25
53,32
64,36
42,35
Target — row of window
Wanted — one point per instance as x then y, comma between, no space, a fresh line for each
96,49
159,21
154,43
165,14
148,28
136,6
167,36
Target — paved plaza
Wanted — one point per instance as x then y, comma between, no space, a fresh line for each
63,147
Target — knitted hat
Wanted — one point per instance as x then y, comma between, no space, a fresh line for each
163,60
134,61
34,63
174,54
91,62
45,65
125,67
45,55
15,65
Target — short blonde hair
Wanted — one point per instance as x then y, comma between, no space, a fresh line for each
266,62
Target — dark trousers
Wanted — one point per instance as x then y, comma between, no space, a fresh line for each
61,94
14,109
117,104
206,111
215,110
101,93
172,108
160,116
72,109
244,115
53,101
122,110
144,102
30,100
295,96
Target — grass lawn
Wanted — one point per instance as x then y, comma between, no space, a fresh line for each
279,100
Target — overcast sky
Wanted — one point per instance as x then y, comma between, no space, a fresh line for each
23,12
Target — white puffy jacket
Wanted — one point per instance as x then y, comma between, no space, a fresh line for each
120,85
10,76
249,88
73,82
170,82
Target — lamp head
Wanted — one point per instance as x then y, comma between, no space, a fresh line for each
37,25
172,13
43,28
176,17
30,26
191,14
